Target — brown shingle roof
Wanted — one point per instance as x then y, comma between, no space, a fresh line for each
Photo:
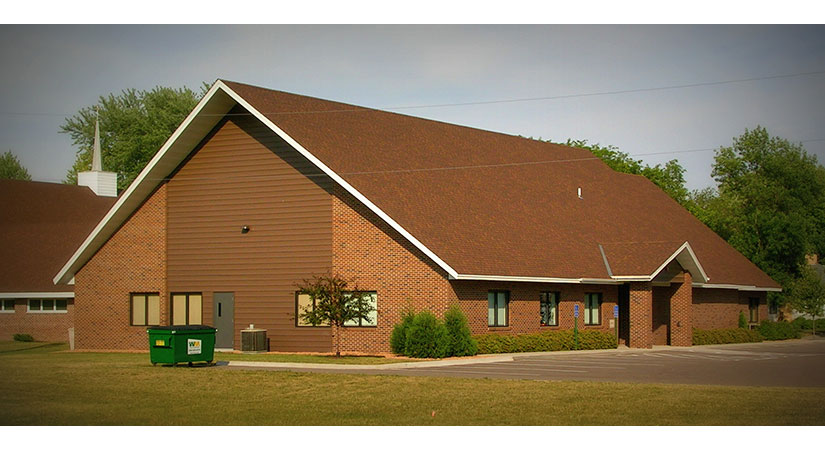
41,225
493,204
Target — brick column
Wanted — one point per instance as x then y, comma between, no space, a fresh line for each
681,304
641,315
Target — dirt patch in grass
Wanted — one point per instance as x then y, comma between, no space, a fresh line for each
298,358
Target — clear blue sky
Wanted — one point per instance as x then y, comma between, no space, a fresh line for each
52,71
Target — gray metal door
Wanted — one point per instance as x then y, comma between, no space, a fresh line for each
224,314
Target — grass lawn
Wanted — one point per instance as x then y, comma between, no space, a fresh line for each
44,387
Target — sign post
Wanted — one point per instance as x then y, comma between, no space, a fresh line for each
616,318
576,326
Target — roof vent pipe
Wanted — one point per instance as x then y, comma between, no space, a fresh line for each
580,192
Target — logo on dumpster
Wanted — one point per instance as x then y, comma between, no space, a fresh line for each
193,346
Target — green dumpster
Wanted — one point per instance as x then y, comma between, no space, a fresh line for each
181,343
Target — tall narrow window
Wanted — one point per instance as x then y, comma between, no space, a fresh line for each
753,310
549,308
592,306
187,309
145,309
497,308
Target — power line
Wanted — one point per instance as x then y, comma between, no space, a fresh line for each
489,102
447,168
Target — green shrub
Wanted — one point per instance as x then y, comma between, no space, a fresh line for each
775,331
743,323
725,336
426,337
23,338
802,323
548,341
398,338
458,333
594,340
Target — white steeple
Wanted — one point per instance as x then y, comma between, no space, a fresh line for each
96,165
102,183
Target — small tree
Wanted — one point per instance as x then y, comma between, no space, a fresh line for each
335,303
12,169
808,295
743,322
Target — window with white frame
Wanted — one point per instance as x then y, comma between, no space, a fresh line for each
549,308
7,306
498,303
47,305
592,306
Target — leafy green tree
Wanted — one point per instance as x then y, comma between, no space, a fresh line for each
769,203
133,126
808,294
670,177
335,304
12,169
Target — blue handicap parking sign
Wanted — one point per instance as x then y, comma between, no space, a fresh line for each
615,310
575,310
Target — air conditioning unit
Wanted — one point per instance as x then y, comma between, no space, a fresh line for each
253,340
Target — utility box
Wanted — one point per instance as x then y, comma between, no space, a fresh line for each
182,343
253,340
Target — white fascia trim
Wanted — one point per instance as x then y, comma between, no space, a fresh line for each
624,278
36,295
292,142
739,287
675,254
533,279
66,274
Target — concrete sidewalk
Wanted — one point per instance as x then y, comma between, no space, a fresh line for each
479,359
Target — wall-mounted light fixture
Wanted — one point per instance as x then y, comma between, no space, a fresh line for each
245,229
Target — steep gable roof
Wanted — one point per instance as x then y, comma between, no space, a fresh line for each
482,205
40,226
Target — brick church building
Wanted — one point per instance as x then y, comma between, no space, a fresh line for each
258,190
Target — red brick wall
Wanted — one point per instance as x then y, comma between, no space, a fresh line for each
681,322
661,313
641,315
49,327
133,260
376,257
719,308
525,313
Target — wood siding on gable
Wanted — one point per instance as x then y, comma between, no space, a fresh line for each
245,175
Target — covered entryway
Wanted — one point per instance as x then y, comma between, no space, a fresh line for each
224,313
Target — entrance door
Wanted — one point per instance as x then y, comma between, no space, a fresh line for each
624,314
224,314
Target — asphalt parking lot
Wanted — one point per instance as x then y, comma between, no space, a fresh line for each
798,363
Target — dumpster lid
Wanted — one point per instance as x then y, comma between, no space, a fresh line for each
183,328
